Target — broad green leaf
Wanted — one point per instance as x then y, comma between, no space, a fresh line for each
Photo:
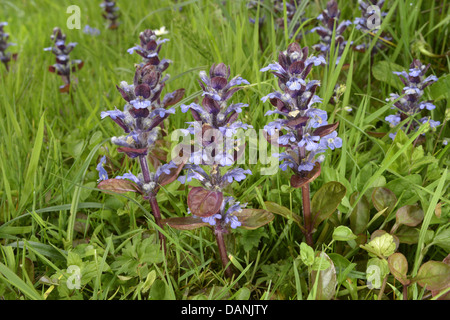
434,275
254,218
442,239
440,89
381,246
324,280
282,211
376,270
360,215
384,198
326,200
343,233
398,265
382,71
151,277
306,254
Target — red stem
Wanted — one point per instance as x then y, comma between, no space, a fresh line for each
152,200
218,231
307,214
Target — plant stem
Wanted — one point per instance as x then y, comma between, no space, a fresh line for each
152,199
405,292
307,214
157,215
144,168
218,231
383,286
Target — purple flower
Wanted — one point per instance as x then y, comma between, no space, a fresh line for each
130,176
91,31
103,175
237,174
309,142
393,120
331,141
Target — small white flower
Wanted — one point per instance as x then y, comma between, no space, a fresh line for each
161,31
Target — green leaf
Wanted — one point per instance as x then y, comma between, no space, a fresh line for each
254,218
398,265
402,187
382,71
441,89
360,215
376,270
434,275
282,211
326,200
343,233
442,238
324,280
306,254
384,198
381,246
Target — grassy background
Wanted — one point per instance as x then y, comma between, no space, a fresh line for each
51,142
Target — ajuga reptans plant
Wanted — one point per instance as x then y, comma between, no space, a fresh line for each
409,103
5,57
64,66
369,23
303,129
141,120
330,20
111,13
214,151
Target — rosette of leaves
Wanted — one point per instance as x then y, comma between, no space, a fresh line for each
5,57
216,120
303,129
64,66
409,103
111,13
370,10
141,118
331,25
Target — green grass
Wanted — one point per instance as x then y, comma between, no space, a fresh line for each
52,215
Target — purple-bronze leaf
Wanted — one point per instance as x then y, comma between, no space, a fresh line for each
133,153
119,186
185,223
299,181
204,203
172,98
168,178
326,130
398,265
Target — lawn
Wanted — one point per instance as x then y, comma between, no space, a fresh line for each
337,187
